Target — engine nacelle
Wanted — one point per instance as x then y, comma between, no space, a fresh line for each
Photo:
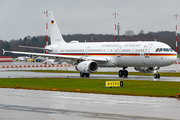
146,69
87,67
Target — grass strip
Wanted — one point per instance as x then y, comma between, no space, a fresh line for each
131,87
167,74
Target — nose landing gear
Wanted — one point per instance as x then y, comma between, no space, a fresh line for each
156,75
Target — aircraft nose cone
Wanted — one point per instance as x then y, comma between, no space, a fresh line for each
173,58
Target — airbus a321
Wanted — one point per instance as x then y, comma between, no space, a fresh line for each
145,57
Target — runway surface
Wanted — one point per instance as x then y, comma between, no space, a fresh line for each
4,73
23,74
171,68
49,105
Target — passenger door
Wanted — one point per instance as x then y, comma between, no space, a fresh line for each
119,51
87,51
147,50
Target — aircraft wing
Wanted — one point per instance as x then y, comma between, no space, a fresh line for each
58,57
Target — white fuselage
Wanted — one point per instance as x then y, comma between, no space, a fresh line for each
119,54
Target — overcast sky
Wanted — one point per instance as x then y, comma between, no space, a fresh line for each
20,18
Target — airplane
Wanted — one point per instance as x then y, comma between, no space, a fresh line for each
144,56
51,62
23,58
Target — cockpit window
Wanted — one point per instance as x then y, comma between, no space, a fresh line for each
170,50
164,50
157,49
160,49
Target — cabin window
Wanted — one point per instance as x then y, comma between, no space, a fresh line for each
74,50
95,50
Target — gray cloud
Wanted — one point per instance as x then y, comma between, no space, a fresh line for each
20,18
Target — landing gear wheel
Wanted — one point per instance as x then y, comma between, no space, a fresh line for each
87,74
120,73
156,76
82,74
125,73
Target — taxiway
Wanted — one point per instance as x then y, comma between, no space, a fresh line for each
21,104
18,73
50,105
24,74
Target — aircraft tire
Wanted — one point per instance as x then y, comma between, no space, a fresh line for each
87,74
120,73
156,76
125,73
82,74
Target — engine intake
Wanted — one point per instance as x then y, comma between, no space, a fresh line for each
87,66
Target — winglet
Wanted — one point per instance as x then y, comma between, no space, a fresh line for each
3,51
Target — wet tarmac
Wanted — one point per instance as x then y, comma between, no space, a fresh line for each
18,73
171,68
24,74
51,105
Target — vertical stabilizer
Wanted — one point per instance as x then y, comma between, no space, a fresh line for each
54,31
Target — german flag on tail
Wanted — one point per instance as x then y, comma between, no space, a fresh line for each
52,21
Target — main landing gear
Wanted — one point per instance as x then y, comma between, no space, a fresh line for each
123,73
84,74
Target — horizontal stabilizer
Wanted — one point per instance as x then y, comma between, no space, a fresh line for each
3,51
39,48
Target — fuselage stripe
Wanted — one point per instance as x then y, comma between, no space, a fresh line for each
115,54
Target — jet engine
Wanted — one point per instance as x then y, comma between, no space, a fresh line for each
146,69
87,67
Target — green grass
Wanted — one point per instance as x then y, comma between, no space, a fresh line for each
167,74
131,87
